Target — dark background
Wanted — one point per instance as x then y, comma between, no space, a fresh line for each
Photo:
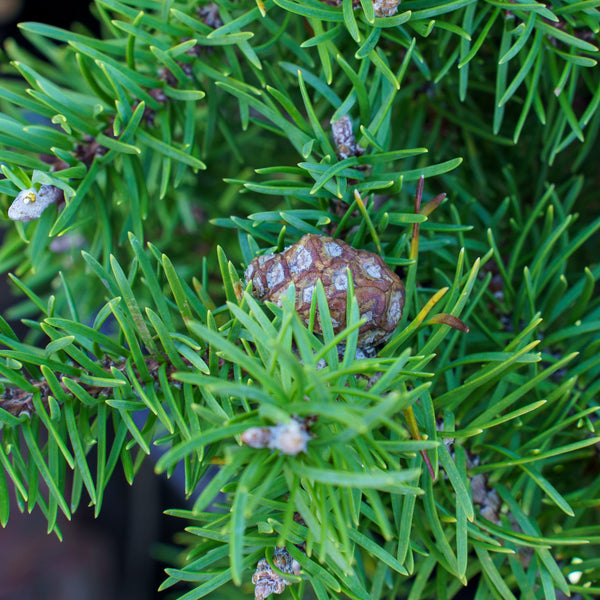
116,555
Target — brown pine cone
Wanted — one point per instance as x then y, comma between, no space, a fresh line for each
379,291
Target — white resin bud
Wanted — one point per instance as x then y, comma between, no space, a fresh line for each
30,204
289,438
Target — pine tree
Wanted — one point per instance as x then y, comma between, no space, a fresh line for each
144,171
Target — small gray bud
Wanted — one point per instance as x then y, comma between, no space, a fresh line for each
29,204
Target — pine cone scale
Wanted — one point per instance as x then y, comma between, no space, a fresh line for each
378,290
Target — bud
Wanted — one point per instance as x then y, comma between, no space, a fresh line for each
385,8
268,582
289,438
344,139
29,204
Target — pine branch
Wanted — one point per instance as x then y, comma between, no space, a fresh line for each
19,402
314,118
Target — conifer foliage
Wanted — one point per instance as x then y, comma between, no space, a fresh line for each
144,170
